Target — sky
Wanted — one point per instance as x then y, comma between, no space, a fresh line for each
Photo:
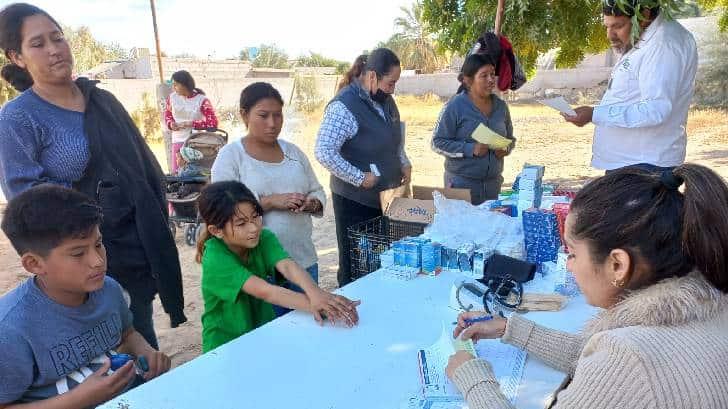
221,28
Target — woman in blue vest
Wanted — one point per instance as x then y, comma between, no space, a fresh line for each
360,142
470,164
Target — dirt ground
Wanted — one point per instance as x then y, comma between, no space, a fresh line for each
543,138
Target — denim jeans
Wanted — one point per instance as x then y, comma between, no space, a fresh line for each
348,213
480,189
313,271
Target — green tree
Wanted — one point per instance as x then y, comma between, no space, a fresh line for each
317,60
6,91
306,96
87,53
270,56
114,51
414,42
534,26
244,55
146,118
711,87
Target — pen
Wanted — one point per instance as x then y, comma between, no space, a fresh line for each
471,321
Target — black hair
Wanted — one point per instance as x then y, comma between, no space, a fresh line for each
255,92
42,217
354,71
612,8
185,78
12,19
472,64
668,232
218,204
381,61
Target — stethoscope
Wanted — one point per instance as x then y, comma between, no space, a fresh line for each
497,292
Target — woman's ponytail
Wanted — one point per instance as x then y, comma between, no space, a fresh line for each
17,77
462,87
354,72
201,241
705,222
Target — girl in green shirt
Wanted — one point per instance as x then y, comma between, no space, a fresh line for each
239,260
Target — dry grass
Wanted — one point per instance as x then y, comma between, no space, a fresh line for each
543,137
709,122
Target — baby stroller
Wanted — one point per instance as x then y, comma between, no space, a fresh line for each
184,188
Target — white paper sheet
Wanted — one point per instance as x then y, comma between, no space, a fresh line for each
418,402
433,361
559,104
507,361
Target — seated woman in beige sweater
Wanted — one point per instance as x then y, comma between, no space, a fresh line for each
656,260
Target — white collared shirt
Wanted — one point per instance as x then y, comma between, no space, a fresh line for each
642,116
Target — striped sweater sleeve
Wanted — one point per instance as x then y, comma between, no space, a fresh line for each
338,126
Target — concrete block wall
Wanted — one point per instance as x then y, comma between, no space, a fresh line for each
445,85
223,93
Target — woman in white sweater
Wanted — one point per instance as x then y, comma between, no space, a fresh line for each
187,110
656,260
276,171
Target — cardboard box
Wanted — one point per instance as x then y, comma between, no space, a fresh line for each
417,206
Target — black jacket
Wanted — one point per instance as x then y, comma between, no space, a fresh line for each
127,181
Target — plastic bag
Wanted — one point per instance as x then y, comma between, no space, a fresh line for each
458,222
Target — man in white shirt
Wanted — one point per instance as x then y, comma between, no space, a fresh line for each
641,119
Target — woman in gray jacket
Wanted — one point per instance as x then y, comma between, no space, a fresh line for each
656,260
470,164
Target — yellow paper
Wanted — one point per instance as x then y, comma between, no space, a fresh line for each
485,135
464,345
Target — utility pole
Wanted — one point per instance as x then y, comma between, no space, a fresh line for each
163,91
156,41
499,16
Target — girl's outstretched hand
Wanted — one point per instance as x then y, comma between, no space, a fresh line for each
334,307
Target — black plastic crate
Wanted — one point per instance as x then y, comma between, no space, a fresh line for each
369,239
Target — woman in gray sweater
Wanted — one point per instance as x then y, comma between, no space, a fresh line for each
656,260
470,164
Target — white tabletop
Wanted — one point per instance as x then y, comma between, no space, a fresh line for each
292,362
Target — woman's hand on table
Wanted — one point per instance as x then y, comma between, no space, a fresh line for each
493,328
480,149
456,361
333,307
